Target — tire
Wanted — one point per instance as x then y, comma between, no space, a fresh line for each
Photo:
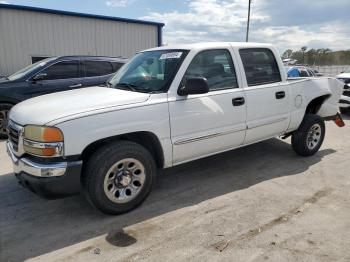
307,140
118,177
4,110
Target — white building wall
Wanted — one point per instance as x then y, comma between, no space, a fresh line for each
24,34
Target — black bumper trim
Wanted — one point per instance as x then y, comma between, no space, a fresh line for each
53,187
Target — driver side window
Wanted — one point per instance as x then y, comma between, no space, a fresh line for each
62,70
216,66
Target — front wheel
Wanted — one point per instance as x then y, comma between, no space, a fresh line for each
118,177
307,140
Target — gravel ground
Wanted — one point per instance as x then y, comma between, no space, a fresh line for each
258,203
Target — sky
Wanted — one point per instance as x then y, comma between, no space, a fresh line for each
286,24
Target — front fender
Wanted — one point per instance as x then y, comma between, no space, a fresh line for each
81,132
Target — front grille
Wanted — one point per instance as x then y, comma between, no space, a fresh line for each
13,134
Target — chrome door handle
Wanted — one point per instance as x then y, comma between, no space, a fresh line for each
74,86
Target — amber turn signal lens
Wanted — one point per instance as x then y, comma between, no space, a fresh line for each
40,151
52,134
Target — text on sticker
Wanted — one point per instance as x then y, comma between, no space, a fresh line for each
170,55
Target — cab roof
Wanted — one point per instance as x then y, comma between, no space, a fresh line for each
210,45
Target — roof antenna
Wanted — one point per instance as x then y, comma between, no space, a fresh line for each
248,21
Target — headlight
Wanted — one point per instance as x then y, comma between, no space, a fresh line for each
43,141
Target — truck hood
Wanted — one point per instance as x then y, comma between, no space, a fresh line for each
44,109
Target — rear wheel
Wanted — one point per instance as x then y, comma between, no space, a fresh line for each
118,177
4,111
308,139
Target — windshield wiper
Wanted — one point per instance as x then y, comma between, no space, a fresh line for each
128,86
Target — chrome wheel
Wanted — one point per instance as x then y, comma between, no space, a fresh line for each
3,121
124,180
314,136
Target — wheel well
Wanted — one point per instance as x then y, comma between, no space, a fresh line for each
146,139
7,103
315,104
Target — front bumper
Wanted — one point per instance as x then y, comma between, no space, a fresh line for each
50,180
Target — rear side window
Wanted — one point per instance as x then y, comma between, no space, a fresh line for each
97,68
216,66
62,70
260,66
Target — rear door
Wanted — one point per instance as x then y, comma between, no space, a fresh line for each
267,99
61,76
97,72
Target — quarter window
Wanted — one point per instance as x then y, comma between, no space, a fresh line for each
216,66
62,70
97,68
260,66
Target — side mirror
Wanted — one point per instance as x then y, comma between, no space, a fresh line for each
342,72
39,77
194,86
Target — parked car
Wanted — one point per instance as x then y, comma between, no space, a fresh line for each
51,75
344,102
299,71
166,106
344,76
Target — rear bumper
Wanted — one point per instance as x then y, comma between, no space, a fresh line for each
49,180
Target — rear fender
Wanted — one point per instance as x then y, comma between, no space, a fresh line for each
328,92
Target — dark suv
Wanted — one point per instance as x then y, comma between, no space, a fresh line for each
51,75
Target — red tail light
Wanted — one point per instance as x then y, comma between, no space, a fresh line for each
339,121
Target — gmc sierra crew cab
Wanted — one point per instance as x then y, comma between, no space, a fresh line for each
166,106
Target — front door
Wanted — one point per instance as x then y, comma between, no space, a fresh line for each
209,123
61,76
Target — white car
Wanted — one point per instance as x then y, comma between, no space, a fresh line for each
344,102
344,76
165,107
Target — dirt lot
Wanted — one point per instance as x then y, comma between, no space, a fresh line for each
259,203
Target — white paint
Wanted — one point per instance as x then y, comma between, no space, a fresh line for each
187,127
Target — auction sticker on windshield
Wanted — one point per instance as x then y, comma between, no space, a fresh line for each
171,55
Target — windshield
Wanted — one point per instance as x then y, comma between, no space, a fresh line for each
29,69
347,70
150,71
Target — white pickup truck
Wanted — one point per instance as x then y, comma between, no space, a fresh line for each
166,106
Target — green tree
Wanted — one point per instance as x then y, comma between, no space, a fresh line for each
303,49
287,53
